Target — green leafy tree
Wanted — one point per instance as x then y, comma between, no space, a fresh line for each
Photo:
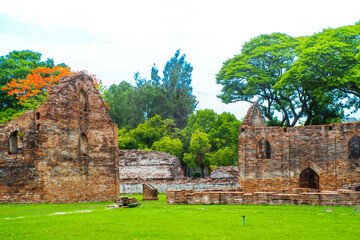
256,73
169,145
145,134
123,102
125,140
170,97
223,157
179,102
253,73
8,114
148,132
328,65
197,156
151,99
222,129
17,65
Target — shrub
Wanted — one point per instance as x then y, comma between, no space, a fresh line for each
196,174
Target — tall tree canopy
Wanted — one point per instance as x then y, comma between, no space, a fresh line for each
306,77
170,97
328,64
17,65
179,102
123,102
198,150
37,83
216,134
222,132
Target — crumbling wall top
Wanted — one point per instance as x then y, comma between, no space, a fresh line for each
254,117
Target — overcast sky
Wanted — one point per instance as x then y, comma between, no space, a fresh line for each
115,39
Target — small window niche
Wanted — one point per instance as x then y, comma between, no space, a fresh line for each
263,149
83,145
328,128
15,142
354,147
37,116
309,179
83,101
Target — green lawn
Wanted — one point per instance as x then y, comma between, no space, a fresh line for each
156,220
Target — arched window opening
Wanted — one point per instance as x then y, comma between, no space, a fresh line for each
83,144
354,147
309,179
263,149
83,101
13,142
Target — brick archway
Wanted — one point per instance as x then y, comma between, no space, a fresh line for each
309,179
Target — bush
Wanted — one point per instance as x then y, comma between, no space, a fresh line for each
196,174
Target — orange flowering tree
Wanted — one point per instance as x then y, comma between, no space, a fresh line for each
33,90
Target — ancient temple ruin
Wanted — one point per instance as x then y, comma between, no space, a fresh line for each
314,165
323,157
64,151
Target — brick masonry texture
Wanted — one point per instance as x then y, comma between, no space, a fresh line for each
232,196
164,172
225,172
313,165
64,151
136,186
149,192
148,165
323,151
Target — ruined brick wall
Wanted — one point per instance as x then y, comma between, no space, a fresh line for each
69,143
161,170
20,179
225,172
234,197
272,158
254,116
148,165
136,187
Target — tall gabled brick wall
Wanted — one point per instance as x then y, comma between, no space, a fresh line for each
304,156
69,148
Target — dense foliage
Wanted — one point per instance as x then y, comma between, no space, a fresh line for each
311,78
209,140
26,81
170,97
156,114
33,90
14,70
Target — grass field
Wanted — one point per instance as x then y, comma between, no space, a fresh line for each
156,220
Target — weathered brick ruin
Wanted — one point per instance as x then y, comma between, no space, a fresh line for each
316,165
64,151
164,172
233,196
149,192
148,165
225,172
324,157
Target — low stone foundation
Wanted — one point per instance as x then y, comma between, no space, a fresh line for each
232,196
136,187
